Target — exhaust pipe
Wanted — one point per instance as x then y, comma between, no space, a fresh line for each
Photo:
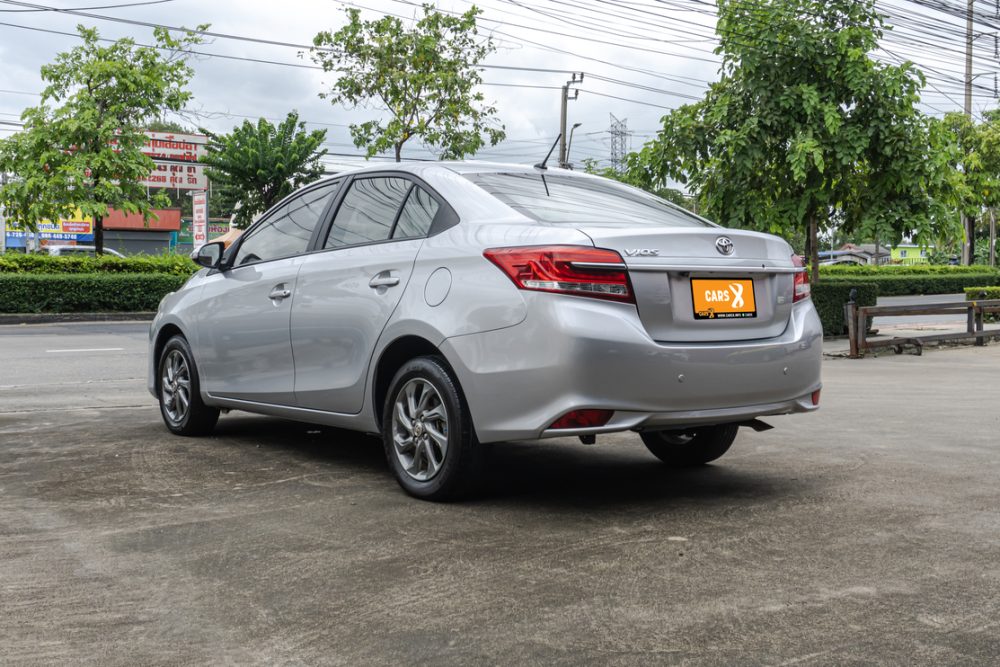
757,425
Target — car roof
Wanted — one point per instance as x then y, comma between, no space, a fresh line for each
459,167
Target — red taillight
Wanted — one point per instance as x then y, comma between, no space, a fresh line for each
802,287
583,419
566,270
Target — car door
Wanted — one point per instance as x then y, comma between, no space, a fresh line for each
243,346
347,292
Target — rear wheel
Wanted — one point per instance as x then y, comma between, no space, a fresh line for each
690,448
427,432
183,411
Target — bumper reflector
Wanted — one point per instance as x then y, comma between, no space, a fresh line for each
583,419
815,397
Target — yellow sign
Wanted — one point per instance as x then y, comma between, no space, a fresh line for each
67,229
723,298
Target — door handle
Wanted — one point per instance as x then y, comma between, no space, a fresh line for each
383,280
279,293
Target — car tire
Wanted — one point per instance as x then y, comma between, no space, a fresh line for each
181,407
696,447
427,432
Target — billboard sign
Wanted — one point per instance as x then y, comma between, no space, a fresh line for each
73,230
176,157
199,226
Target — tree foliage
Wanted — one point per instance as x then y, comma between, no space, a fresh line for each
672,195
80,149
803,125
260,164
970,151
425,77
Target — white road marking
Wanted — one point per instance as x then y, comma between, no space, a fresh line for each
92,349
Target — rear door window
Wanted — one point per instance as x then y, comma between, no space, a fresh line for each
417,215
368,211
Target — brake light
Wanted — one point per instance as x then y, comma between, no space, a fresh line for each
577,270
583,419
802,288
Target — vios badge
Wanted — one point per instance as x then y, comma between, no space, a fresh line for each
642,252
724,245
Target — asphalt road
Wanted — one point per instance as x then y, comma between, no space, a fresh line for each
867,533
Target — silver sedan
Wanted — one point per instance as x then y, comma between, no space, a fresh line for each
446,306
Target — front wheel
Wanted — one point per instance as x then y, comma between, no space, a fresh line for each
427,432
690,448
183,411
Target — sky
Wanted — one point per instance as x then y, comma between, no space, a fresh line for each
640,59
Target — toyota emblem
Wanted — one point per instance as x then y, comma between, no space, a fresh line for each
724,245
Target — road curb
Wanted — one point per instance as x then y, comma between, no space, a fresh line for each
55,318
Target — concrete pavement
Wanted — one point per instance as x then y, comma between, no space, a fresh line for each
866,533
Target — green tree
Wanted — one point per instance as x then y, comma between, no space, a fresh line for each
260,164
81,146
803,124
424,77
169,126
971,152
672,195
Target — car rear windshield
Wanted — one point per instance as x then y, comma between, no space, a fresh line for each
575,200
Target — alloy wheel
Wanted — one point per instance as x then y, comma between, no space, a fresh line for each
175,386
420,429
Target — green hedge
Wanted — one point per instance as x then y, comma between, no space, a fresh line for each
856,270
830,296
177,265
904,285
977,294
84,292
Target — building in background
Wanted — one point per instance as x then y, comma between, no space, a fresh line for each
129,234
126,233
183,240
909,253
849,253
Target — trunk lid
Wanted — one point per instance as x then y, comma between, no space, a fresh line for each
689,290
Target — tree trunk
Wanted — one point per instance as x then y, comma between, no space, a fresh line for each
807,252
969,247
98,235
972,239
399,152
813,247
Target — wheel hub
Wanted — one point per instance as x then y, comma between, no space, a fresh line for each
420,429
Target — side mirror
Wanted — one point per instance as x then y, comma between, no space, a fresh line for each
209,255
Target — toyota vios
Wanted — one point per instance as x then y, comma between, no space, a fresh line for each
450,305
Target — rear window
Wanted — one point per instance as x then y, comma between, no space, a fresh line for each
574,200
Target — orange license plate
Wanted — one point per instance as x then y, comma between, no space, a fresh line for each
723,298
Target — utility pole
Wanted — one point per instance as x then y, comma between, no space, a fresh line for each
969,247
619,142
564,99
969,37
3,219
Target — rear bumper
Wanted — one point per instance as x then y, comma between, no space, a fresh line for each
572,353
